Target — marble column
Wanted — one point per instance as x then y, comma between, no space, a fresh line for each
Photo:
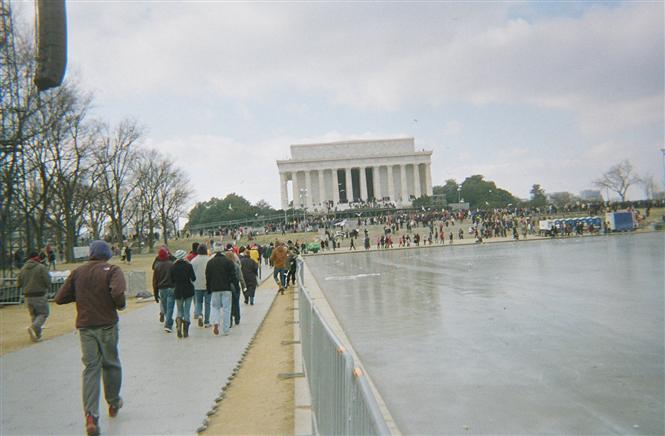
322,189
283,177
295,189
349,185
363,183
402,179
308,190
416,180
376,179
335,186
428,179
391,184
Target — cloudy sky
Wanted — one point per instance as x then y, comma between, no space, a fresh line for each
521,92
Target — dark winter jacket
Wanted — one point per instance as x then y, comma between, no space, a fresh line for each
98,288
250,270
240,284
182,276
34,279
220,274
161,276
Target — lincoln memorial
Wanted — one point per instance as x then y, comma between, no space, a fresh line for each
335,174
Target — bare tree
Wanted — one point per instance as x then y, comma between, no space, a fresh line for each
76,171
51,124
562,199
96,217
149,178
618,179
18,104
118,151
173,194
649,186
59,171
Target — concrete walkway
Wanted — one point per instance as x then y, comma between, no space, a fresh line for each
168,383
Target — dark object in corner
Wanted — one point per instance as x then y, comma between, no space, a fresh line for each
51,43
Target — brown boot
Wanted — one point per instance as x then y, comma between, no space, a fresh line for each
185,330
178,326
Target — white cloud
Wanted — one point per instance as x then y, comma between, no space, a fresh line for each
603,67
608,60
453,128
572,168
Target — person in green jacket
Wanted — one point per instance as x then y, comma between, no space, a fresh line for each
35,281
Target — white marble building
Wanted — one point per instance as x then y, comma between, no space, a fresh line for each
334,174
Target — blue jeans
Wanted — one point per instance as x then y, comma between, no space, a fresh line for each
221,300
201,295
184,306
282,276
167,301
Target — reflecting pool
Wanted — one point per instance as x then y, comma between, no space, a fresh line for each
556,336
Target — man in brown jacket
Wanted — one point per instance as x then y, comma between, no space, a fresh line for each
98,288
35,281
279,259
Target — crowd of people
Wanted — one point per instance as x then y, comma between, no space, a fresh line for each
213,280
384,212
46,256
406,229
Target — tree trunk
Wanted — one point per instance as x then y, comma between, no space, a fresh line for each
151,234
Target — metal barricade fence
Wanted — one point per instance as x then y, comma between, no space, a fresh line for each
11,294
342,401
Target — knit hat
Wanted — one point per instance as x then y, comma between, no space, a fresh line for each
179,254
100,250
163,253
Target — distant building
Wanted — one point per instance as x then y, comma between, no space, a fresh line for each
591,195
329,175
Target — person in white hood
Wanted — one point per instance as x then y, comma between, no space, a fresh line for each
201,296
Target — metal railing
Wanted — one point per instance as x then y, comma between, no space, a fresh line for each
11,294
343,402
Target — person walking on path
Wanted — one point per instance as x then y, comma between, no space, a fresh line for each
279,258
267,253
195,251
201,296
291,262
35,281
51,258
162,287
250,271
183,277
254,253
98,288
237,286
220,274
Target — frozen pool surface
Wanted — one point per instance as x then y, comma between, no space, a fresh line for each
560,337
